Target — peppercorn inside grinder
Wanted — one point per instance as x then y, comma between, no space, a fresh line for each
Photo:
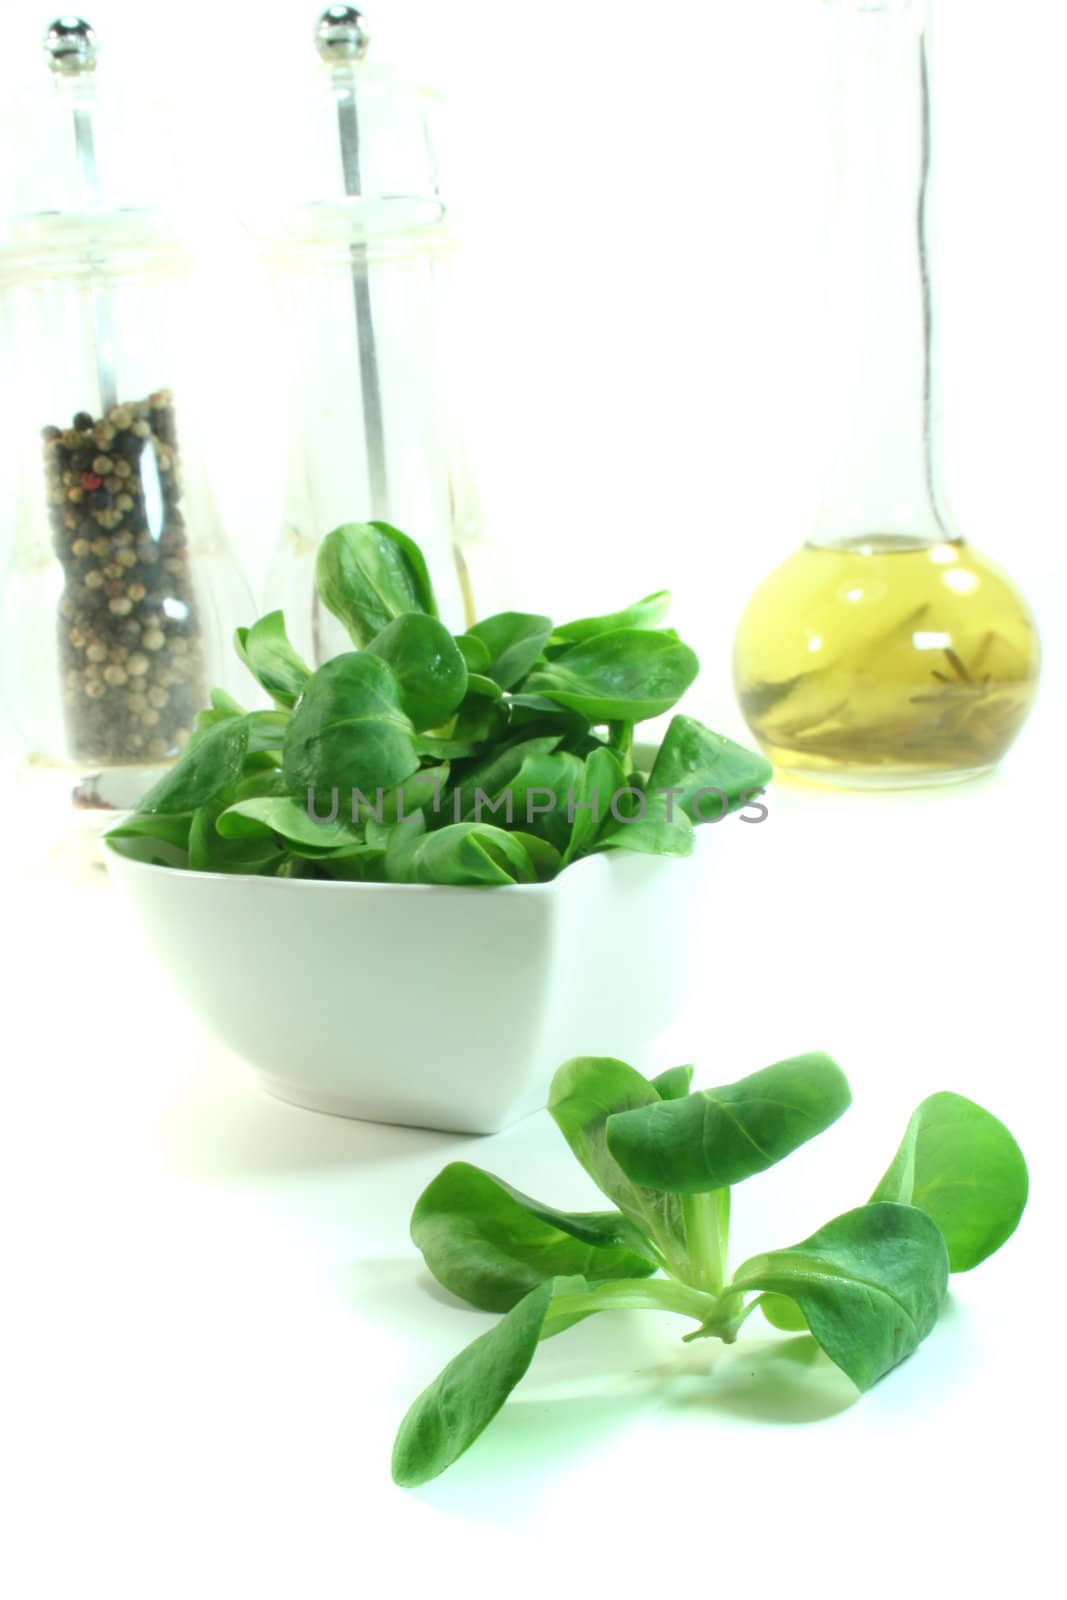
358,240
122,593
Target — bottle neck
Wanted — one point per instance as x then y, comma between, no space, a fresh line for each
883,450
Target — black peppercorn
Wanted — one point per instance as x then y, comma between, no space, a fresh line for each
82,421
127,444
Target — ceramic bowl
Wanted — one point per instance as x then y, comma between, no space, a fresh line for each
431,1006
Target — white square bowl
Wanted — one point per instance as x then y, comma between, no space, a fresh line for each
430,1006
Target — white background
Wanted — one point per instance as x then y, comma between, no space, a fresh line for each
220,1317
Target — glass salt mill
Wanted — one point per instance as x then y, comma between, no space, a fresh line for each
359,272
121,594
886,652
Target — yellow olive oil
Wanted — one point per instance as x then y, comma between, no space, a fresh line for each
886,661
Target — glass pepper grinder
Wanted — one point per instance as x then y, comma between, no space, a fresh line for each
121,594
359,272
886,652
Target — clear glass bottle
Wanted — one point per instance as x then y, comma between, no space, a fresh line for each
121,594
360,273
886,652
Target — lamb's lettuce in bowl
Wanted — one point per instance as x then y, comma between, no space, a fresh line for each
495,757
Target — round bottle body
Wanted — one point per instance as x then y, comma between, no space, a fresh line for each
886,662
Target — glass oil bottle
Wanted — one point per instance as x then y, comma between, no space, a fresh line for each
886,652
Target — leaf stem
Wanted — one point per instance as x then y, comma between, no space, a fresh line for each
621,740
726,1318
707,1228
636,1294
